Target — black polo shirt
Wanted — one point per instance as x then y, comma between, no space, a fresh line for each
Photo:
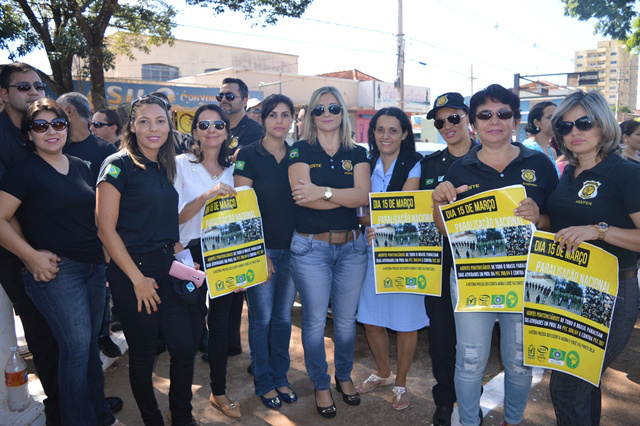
271,183
93,150
433,167
12,150
334,172
245,133
608,192
56,211
530,168
148,217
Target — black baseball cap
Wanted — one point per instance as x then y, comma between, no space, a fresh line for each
452,100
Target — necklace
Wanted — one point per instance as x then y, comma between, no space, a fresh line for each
213,177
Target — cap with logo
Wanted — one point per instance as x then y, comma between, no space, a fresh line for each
452,100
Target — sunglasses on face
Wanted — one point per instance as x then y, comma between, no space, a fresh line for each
453,119
503,114
99,124
41,126
334,109
217,124
255,111
583,124
228,96
25,87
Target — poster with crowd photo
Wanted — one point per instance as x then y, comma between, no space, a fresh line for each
233,243
489,245
407,250
568,308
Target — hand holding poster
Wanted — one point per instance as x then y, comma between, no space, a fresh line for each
489,245
233,243
407,249
569,301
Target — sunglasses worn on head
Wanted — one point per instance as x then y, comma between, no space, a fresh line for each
150,97
583,124
41,126
25,87
99,124
453,119
334,109
228,96
503,114
205,124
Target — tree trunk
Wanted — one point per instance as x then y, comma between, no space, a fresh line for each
96,61
62,77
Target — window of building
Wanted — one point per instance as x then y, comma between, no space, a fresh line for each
614,53
591,55
601,72
579,65
612,96
612,70
592,64
614,62
612,87
580,56
159,72
601,54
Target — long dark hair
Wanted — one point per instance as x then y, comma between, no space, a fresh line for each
44,104
196,148
408,143
129,140
536,113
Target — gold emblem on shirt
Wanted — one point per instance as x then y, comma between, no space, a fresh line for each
528,175
589,189
346,164
234,142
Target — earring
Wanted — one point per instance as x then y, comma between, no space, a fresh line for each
537,129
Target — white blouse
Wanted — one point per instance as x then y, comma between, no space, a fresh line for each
193,180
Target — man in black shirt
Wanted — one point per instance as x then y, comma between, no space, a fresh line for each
82,143
20,85
233,98
451,119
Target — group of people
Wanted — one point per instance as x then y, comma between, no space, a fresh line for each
122,219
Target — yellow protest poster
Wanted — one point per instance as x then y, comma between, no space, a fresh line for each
408,248
489,245
233,243
569,301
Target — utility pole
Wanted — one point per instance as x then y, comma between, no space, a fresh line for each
472,78
400,78
618,94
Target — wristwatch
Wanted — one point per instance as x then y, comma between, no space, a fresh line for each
602,230
328,194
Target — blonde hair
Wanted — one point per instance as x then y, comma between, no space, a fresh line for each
311,131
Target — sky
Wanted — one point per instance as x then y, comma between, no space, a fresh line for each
444,39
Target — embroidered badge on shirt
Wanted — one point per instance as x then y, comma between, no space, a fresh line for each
589,189
239,165
428,181
234,142
346,164
113,171
528,175
294,153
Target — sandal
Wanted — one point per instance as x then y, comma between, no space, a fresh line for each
400,399
374,381
231,410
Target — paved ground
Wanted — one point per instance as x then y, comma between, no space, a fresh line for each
621,389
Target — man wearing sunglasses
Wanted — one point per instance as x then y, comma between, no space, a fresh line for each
82,143
20,85
452,121
106,124
233,98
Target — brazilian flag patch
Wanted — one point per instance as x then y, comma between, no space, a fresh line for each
239,165
113,171
294,153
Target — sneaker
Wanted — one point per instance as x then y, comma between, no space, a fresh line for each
108,348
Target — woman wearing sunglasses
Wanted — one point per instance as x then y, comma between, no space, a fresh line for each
202,174
539,127
137,213
609,217
263,166
329,177
52,197
497,162
395,167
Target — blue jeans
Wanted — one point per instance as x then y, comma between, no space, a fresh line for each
577,402
73,303
270,311
473,332
323,272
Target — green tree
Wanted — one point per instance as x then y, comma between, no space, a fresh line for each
76,28
616,18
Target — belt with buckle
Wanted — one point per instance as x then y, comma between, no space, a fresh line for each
335,237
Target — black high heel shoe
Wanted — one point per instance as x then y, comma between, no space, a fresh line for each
326,412
351,399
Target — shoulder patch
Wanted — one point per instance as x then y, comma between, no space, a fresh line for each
113,171
239,165
294,153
